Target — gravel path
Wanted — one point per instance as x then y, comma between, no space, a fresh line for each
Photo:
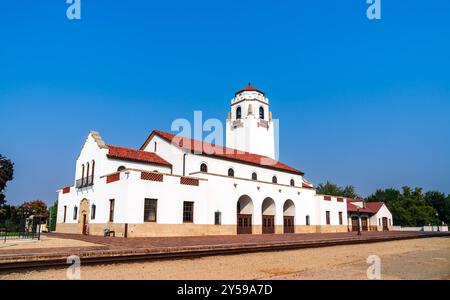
427,258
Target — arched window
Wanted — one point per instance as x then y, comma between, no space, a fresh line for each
121,168
203,168
82,174
238,112
292,182
93,209
274,179
254,176
88,179
230,172
75,212
261,112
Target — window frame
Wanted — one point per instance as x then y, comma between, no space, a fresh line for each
75,212
308,220
112,205
262,113
204,167
238,113
254,176
217,218
327,217
93,211
191,212
155,201
341,218
274,179
231,170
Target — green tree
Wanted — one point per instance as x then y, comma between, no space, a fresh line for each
332,189
408,208
6,174
35,207
53,213
440,203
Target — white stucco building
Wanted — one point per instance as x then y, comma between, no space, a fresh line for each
177,186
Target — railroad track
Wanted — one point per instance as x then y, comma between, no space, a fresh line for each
9,263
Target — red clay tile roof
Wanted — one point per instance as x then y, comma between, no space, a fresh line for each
196,146
354,208
374,206
249,88
136,155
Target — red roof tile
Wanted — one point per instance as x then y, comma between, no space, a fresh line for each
196,146
136,155
354,208
249,88
374,206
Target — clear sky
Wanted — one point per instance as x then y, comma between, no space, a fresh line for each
360,102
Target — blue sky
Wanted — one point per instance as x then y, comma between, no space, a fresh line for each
360,102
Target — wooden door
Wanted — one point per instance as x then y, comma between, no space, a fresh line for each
268,224
385,224
244,224
85,230
354,223
364,226
288,223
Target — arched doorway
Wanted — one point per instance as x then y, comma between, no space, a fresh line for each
288,216
268,216
83,217
244,215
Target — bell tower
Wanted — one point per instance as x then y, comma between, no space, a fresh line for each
249,123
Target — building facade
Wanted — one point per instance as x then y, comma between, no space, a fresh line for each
177,186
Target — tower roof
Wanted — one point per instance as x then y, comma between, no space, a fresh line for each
249,88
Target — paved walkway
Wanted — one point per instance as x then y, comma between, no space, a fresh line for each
115,248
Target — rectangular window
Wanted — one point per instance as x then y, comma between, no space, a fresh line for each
379,222
217,218
65,212
111,210
93,209
188,212
150,206
75,212
327,214
340,218
307,220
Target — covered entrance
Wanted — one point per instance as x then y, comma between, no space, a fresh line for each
364,224
288,216
268,216
83,216
244,215
354,223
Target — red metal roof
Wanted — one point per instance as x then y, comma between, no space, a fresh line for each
136,155
250,88
196,146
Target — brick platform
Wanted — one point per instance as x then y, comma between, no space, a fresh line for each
113,249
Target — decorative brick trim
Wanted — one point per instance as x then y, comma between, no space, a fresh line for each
113,177
66,190
327,198
152,176
340,199
189,181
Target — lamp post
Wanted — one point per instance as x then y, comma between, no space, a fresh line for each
359,226
437,217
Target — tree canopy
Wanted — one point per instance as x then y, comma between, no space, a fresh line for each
409,207
332,189
6,174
